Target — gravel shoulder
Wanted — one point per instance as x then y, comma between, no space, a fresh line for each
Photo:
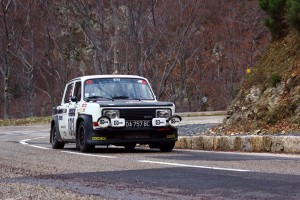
200,125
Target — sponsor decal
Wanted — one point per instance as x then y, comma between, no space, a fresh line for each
157,122
72,112
83,107
99,138
102,121
142,82
170,136
117,122
88,82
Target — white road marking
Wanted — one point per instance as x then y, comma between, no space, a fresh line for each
86,154
193,166
38,146
24,142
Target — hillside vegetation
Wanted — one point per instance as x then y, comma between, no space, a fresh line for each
270,98
194,53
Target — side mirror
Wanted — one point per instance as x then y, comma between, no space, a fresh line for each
74,99
54,110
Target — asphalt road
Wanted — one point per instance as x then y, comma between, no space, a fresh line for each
31,169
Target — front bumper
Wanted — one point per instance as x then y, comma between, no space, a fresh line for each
120,136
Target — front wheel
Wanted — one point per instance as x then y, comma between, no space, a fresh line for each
55,143
81,142
167,147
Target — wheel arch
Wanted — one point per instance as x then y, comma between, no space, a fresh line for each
54,122
84,118
52,125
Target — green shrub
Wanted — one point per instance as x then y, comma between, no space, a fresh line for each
274,79
293,14
275,21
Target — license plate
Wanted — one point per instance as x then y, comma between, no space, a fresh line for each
137,124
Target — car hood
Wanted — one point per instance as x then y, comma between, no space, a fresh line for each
131,103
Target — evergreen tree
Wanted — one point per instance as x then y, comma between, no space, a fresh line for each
275,20
293,14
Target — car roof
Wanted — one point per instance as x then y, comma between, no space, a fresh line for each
82,78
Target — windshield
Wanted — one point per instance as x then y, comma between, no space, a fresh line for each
117,88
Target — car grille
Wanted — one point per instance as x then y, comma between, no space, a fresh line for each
137,114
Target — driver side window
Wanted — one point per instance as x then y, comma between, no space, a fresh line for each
68,94
77,91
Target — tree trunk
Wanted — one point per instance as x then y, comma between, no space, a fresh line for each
6,97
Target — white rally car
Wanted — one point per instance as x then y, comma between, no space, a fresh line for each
116,110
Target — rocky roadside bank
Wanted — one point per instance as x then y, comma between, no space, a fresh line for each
199,137
250,143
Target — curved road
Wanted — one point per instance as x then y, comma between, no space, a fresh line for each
31,169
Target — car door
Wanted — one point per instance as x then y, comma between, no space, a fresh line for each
73,111
64,111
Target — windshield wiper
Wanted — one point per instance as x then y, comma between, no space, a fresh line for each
133,98
97,97
120,97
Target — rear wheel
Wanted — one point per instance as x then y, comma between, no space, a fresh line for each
129,147
167,147
55,143
81,142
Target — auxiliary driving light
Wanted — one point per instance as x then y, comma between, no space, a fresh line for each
103,122
174,120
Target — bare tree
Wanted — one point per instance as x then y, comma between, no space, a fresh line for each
28,59
177,42
12,30
94,20
28,56
115,41
193,52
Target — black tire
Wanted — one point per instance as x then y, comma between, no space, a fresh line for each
77,145
55,143
129,147
167,147
154,146
81,142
